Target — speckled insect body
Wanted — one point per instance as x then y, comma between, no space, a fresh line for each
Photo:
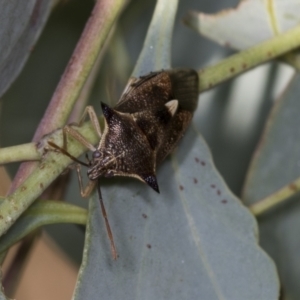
139,132
145,125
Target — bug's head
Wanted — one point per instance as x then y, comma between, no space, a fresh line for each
101,164
123,150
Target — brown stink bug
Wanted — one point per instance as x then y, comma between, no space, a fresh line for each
139,132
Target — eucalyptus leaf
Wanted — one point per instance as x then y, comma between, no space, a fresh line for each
276,164
250,23
21,25
193,239
156,52
42,213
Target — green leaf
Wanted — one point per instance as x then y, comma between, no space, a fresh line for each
252,22
156,52
276,164
195,238
39,214
21,25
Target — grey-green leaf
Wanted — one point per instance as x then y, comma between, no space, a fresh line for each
21,23
193,240
156,52
42,213
277,163
251,22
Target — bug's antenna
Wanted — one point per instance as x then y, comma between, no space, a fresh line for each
63,151
109,232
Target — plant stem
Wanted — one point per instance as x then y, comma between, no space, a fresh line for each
248,59
94,35
85,54
272,200
43,213
19,153
48,169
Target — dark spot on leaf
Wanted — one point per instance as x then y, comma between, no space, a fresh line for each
219,192
41,186
244,66
203,163
23,188
1,217
196,159
181,187
195,180
224,201
232,70
144,216
269,54
213,186
149,246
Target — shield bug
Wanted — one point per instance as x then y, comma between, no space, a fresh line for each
144,127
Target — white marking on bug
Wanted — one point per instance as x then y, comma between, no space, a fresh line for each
172,106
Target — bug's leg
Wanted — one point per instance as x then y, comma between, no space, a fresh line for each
68,129
89,110
85,192
108,229
88,159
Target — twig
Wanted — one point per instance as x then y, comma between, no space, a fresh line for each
274,199
248,59
84,56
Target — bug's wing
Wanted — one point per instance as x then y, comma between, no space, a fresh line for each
171,136
184,88
165,122
157,88
133,84
145,93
